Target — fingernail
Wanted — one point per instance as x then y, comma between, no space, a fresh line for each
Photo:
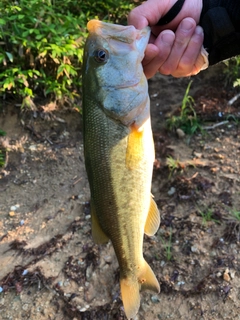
167,37
199,30
186,25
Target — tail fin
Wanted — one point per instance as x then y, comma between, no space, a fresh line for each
130,289
130,296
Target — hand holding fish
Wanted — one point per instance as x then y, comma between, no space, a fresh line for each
178,53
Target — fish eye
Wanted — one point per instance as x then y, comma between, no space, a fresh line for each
101,55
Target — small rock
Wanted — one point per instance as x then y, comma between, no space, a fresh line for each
144,306
197,155
194,249
89,272
66,134
14,208
171,191
12,213
25,272
181,283
33,147
108,259
1,289
219,274
83,309
226,276
180,133
155,299
25,307
22,222
162,263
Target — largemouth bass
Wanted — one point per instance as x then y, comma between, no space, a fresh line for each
119,151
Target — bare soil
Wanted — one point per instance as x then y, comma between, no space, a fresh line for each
49,266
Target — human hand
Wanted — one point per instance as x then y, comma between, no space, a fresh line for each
179,53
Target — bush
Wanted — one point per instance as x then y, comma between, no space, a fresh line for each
41,45
232,71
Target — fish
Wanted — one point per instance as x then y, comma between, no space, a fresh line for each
119,151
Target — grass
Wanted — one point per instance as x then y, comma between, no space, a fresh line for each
236,214
173,165
207,216
2,157
167,245
187,120
2,133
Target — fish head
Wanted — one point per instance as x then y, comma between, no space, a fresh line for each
112,70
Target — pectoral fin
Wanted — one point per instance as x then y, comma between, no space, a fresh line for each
153,219
134,148
99,237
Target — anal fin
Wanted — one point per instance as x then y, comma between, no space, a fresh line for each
99,237
153,219
148,279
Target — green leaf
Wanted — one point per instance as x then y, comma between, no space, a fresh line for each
10,56
21,16
2,22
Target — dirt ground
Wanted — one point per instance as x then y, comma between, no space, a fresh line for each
49,265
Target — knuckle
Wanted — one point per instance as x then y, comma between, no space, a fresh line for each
165,69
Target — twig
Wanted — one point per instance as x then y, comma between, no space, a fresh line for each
216,125
231,101
77,181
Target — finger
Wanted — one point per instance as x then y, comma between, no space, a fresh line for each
191,60
202,62
137,18
148,13
182,37
150,53
162,46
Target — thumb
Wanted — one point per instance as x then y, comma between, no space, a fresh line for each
148,13
136,19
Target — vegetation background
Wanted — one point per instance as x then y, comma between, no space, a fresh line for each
41,45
